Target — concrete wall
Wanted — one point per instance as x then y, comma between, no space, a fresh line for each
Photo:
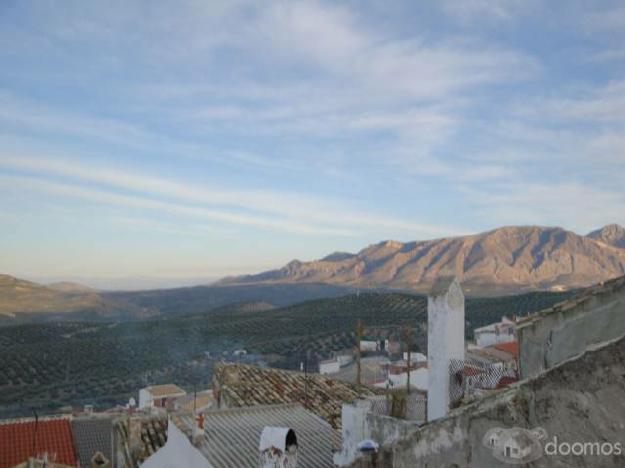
581,400
359,423
566,330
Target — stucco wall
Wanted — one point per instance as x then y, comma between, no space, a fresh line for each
580,400
564,331
445,342
359,423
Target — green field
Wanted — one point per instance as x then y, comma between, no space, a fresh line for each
50,365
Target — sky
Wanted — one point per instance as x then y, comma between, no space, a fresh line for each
183,141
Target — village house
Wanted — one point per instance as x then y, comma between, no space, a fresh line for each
495,333
159,396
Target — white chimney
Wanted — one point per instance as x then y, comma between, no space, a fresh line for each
278,448
445,342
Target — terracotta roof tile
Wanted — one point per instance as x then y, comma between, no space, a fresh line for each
165,390
53,437
245,385
510,348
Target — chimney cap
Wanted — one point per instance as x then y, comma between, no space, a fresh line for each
441,285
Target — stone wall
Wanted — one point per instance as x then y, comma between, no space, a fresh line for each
580,400
566,330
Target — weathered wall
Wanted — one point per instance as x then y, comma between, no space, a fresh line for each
566,330
445,343
580,400
359,423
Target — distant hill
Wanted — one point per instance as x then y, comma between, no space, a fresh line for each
69,287
25,301
505,260
183,301
612,234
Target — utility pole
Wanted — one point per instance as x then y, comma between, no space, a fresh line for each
306,380
358,340
408,341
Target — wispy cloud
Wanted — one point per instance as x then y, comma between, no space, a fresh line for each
315,123
291,212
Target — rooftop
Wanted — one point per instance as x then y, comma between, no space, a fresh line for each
166,390
511,348
200,401
241,385
153,435
53,436
92,435
232,436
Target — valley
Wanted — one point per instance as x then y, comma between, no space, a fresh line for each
51,365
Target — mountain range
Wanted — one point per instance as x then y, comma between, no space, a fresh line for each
507,260
504,260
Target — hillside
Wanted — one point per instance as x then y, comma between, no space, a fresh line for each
24,301
54,364
505,260
24,297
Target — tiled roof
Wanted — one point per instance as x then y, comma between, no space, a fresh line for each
245,385
160,391
491,354
153,433
232,436
511,348
53,437
201,401
91,436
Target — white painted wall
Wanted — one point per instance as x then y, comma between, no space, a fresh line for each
445,342
145,399
329,367
352,432
177,452
415,357
418,380
344,359
369,345
485,339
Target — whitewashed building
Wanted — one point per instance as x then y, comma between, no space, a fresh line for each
330,366
159,396
495,333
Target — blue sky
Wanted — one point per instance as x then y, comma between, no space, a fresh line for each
195,139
